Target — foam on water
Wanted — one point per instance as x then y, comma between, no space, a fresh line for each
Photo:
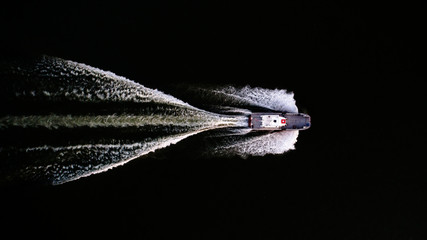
245,144
246,97
64,79
74,162
277,99
69,121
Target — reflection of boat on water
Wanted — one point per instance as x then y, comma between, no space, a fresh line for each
279,121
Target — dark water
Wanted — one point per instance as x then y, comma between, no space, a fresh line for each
357,69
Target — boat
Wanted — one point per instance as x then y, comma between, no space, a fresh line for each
279,121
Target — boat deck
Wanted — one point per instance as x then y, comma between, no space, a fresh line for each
294,121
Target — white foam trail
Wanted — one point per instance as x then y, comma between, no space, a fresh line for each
97,158
70,80
277,99
233,110
272,143
53,121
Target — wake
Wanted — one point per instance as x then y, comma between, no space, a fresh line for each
64,120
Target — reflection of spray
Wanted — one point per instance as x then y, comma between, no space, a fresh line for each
108,104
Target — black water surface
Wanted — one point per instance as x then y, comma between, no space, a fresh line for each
357,173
